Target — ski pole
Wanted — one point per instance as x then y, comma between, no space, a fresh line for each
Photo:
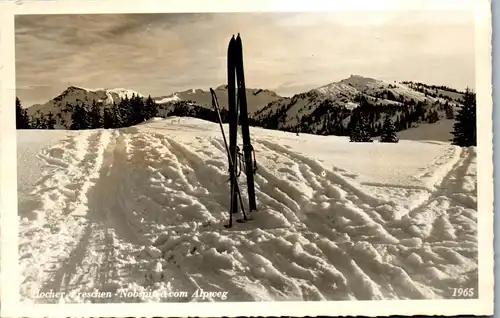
215,104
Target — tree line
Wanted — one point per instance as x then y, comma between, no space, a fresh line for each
127,113
186,108
464,129
327,118
37,121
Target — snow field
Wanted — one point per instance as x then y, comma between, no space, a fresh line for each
141,210
168,99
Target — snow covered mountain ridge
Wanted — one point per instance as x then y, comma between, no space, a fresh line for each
327,109
256,97
351,86
76,94
112,94
345,92
323,110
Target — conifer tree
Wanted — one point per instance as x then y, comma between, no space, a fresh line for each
151,108
354,132
76,118
388,131
137,110
87,119
34,121
50,121
80,118
126,113
464,130
22,118
95,116
360,130
365,135
19,114
117,116
37,121
108,120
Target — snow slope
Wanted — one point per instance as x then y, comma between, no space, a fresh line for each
440,131
165,100
30,143
142,209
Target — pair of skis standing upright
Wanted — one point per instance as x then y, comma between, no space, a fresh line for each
238,113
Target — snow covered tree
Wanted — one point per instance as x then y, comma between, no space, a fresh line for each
126,112
95,116
360,130
151,108
464,130
388,131
22,118
118,116
87,120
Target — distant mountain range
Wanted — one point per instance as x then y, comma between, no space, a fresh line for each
312,111
256,98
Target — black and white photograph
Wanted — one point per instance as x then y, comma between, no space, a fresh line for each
247,156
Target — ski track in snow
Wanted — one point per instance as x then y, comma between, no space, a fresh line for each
142,209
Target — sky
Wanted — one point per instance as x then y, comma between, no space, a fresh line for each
289,53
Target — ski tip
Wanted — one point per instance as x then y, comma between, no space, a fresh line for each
238,42
232,41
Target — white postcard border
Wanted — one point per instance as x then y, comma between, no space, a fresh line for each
8,172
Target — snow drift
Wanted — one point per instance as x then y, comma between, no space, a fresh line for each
138,212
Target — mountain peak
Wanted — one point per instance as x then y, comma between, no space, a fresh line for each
355,81
357,76
358,80
76,88
123,92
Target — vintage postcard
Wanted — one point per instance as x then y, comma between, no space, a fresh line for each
234,159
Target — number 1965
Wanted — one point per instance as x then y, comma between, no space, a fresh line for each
463,292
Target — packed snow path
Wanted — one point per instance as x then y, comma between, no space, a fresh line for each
143,208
